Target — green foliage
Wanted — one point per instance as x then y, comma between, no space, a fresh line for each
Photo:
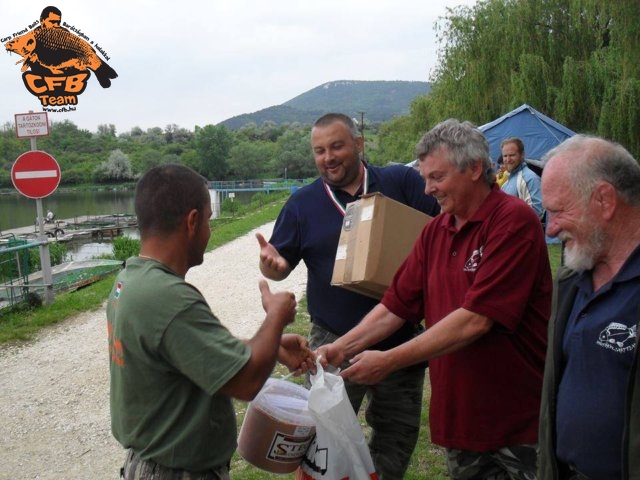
14,264
5,178
574,60
555,257
249,160
57,255
213,144
116,169
125,247
23,324
293,153
225,229
234,208
396,140
230,207
263,198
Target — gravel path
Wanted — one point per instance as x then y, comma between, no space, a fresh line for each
54,391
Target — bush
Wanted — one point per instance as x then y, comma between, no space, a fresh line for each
125,247
260,199
231,207
57,254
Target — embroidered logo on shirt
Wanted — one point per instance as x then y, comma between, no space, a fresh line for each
471,265
618,337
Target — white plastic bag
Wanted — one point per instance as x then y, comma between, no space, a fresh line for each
339,450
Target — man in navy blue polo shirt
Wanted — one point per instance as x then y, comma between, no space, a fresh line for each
308,229
590,413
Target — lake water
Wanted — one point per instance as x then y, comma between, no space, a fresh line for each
18,211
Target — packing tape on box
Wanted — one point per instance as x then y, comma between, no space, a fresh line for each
351,224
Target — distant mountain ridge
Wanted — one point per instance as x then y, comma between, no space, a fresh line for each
380,101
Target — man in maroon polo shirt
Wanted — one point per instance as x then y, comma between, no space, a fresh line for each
479,274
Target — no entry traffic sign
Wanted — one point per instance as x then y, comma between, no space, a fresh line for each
35,174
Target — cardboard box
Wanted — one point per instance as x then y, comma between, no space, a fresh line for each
377,235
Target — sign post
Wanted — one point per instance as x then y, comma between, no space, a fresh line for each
36,174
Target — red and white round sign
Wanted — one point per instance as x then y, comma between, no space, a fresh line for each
35,174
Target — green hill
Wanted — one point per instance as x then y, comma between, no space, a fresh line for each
379,100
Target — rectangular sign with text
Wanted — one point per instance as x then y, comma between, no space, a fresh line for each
34,124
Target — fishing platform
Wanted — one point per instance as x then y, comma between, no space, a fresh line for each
94,226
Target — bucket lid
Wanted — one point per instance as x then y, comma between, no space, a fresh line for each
284,401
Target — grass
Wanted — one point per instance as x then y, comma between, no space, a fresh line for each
24,324
227,229
427,460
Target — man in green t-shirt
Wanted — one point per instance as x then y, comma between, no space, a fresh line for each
174,367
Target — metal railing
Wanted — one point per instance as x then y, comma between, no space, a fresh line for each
259,185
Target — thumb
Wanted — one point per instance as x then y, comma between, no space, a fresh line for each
261,240
263,285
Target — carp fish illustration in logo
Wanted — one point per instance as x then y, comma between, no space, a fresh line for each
57,63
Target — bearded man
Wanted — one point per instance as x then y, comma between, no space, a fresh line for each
590,412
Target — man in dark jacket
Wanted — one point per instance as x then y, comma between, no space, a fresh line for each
590,412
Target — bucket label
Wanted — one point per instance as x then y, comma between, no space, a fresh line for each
303,431
287,448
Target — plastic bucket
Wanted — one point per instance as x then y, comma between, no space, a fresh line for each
277,428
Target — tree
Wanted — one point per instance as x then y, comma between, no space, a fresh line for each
145,159
249,160
293,153
116,169
397,138
213,144
107,130
174,134
574,60
396,142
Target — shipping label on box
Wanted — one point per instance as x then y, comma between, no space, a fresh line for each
377,235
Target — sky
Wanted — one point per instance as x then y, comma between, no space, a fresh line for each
194,63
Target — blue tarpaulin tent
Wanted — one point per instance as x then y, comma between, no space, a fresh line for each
538,132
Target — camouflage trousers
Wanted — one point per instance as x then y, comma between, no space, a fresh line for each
518,462
393,409
137,469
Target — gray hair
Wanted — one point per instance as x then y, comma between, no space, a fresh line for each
597,159
465,145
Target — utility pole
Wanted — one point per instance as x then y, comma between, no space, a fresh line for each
362,131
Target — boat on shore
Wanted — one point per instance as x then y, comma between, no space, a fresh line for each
69,276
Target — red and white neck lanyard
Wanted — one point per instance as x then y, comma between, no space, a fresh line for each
334,199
